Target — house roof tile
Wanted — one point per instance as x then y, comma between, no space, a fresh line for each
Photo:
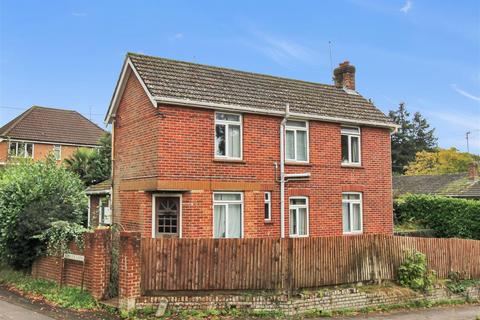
52,125
202,83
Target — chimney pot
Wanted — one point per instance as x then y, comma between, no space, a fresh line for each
344,75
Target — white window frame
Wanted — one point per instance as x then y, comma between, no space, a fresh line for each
227,124
59,146
350,203
295,129
16,149
154,215
296,207
227,202
349,146
100,200
269,203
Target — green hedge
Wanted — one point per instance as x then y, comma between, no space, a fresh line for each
448,217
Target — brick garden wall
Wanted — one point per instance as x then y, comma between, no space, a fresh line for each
172,148
97,252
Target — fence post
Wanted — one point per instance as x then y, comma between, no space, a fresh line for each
290,275
129,269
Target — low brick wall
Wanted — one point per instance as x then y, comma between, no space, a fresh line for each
328,300
97,252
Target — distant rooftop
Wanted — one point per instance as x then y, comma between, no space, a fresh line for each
52,125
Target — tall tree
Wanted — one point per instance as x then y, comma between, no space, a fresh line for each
414,135
440,161
93,166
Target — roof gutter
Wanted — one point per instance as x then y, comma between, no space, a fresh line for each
279,113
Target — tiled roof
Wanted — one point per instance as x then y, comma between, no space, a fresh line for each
52,125
201,83
101,186
454,185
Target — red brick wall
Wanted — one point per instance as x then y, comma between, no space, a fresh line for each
174,143
97,252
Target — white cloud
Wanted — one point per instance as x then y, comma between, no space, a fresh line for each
464,122
282,51
407,6
79,14
465,93
178,35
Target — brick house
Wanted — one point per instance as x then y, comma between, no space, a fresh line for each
39,131
202,151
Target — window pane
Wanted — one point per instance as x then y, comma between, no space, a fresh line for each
21,149
351,196
300,201
355,149
300,124
346,217
13,149
267,196
344,148
267,211
227,196
302,145
349,130
219,216
234,141
56,152
228,117
220,139
293,222
302,221
290,145
29,150
357,225
234,221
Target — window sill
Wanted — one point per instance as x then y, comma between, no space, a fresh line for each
239,161
301,164
299,236
353,166
270,222
354,233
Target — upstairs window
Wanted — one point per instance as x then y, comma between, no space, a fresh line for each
20,149
227,214
228,135
268,206
57,152
352,212
298,217
350,145
296,141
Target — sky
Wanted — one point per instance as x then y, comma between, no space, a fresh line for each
68,54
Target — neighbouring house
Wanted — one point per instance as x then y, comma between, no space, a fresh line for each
458,185
203,151
99,213
39,131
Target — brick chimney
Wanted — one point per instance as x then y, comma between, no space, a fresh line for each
344,76
473,171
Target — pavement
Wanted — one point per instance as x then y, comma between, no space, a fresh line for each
464,312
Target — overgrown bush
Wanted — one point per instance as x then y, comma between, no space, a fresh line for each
32,196
448,217
413,272
60,234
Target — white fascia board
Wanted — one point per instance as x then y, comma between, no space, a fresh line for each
106,191
228,107
53,142
127,68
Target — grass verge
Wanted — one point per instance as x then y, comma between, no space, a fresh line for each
67,297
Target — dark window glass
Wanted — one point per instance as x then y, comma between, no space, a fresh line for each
220,139
344,148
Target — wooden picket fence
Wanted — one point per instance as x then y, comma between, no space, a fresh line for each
291,264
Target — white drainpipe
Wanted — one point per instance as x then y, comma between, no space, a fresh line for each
282,171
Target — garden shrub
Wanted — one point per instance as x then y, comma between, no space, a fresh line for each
60,234
413,272
448,217
32,196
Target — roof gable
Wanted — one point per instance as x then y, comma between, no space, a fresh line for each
185,83
52,125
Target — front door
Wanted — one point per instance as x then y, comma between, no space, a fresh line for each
167,214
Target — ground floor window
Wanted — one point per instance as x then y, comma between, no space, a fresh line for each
267,206
352,212
167,213
20,149
298,216
227,214
104,215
